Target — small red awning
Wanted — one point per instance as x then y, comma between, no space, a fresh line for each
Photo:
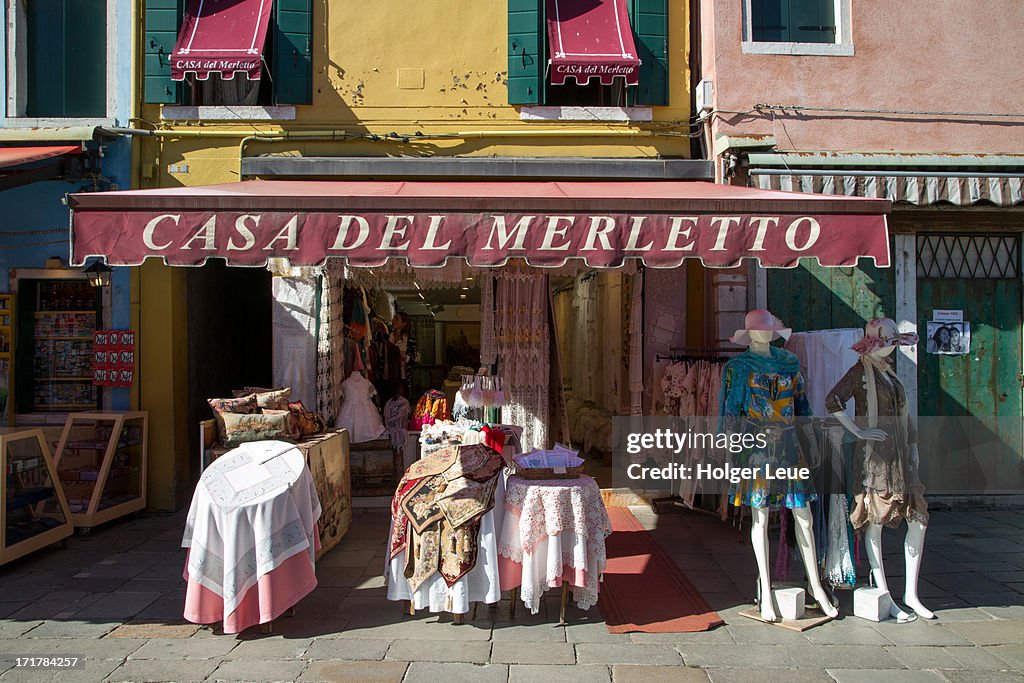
17,156
591,39
221,36
547,223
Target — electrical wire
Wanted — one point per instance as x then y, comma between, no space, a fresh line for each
846,110
34,232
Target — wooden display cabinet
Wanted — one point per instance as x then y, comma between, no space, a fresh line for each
101,459
33,510
7,358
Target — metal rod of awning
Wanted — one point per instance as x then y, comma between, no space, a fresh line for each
881,174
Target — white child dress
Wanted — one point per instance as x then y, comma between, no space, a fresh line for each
358,414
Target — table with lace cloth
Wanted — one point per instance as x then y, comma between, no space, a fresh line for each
251,534
553,532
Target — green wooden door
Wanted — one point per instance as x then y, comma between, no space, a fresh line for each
970,405
812,297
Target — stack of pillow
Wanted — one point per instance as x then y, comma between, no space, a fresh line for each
255,414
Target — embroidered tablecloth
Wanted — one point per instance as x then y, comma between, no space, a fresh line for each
554,531
254,509
481,584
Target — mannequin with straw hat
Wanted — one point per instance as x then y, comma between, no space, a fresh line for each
762,392
887,488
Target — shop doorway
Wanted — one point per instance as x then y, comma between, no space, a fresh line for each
969,381
230,343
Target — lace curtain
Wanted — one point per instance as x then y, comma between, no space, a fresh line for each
522,336
488,344
330,356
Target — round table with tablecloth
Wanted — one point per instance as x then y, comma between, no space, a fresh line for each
252,537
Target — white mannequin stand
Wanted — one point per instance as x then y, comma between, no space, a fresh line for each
913,546
759,344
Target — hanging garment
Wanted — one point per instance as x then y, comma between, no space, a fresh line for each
766,393
825,356
358,414
397,412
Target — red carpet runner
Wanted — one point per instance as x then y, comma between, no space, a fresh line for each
643,589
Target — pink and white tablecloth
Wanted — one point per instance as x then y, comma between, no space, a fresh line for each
553,531
252,537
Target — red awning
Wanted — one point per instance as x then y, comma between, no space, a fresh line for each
221,36
591,39
18,156
546,223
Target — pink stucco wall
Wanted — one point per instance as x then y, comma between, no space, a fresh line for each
925,55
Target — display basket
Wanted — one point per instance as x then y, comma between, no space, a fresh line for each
536,473
559,463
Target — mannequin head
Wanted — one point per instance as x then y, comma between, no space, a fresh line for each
881,337
760,328
400,324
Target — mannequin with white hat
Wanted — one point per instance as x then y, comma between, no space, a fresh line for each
762,390
888,488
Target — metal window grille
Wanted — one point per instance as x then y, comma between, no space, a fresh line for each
982,257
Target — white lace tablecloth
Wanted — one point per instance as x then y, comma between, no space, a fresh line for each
554,529
254,508
481,584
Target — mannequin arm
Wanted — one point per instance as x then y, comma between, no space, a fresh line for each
863,434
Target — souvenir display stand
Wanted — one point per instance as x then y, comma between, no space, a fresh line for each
327,456
101,460
252,538
33,510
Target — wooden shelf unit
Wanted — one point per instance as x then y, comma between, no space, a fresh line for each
102,460
34,512
7,359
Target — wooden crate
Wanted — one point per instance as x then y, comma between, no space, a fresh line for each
327,456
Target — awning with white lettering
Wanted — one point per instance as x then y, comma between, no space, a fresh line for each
221,36
591,39
487,223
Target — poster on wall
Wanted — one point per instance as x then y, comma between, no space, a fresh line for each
113,358
949,338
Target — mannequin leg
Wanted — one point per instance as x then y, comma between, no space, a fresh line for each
759,539
873,545
913,547
805,539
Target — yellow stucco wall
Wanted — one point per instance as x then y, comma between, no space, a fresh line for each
360,54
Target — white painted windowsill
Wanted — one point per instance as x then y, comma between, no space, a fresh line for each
226,113
799,49
640,114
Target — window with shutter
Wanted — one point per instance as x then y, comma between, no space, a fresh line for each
529,49
793,21
66,53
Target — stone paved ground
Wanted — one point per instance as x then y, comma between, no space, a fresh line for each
115,598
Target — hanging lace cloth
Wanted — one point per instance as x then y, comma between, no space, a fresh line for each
635,345
522,344
488,345
330,356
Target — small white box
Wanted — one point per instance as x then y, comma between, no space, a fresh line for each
871,603
789,602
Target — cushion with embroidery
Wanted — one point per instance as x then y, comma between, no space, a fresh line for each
293,425
240,404
242,428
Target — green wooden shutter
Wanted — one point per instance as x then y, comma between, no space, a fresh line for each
769,20
812,21
292,68
650,27
67,58
525,42
163,18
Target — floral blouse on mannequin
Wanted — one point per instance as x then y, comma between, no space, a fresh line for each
766,394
